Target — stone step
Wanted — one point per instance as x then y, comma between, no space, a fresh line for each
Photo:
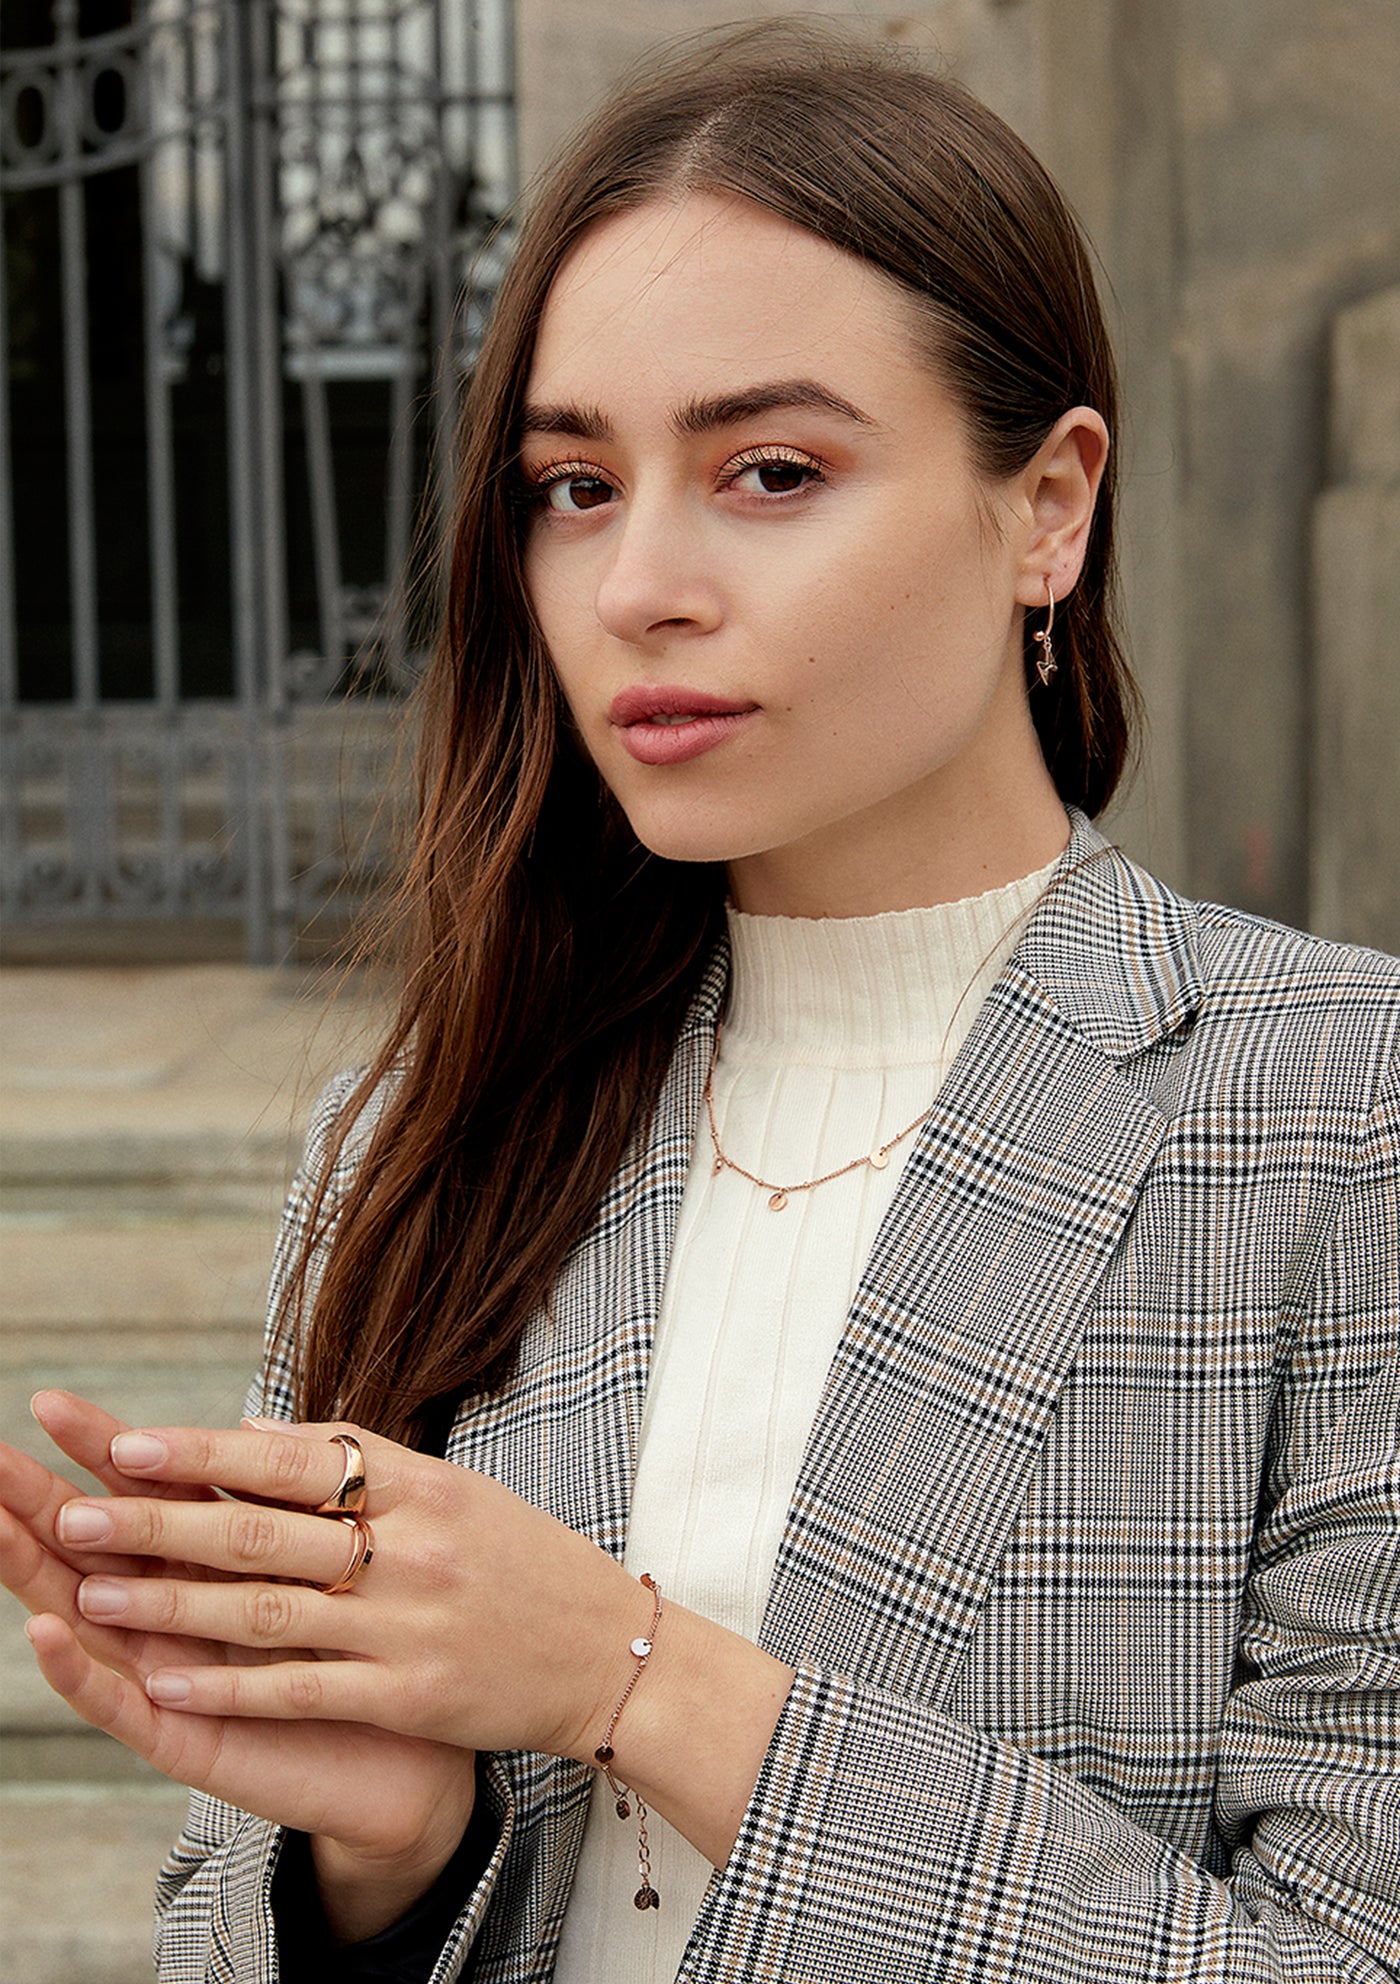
190,1084
153,1151
158,1319
149,1121
76,1287
77,1871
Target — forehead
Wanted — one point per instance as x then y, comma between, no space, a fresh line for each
685,294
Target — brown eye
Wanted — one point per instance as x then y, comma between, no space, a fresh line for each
767,474
778,478
571,493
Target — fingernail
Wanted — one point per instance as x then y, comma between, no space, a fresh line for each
83,1522
168,1689
138,1450
102,1598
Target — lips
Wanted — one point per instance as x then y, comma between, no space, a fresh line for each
667,724
669,700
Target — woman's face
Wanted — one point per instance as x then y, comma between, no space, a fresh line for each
783,605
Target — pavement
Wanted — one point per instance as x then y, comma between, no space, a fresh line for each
150,1119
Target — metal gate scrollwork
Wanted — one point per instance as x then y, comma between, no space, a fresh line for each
237,236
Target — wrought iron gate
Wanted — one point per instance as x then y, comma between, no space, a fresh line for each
236,236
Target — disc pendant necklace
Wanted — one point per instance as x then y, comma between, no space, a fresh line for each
779,1195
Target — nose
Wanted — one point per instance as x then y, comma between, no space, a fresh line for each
658,579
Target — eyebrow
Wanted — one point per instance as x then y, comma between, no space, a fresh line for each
700,416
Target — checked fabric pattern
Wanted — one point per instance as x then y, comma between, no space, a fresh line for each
1092,1573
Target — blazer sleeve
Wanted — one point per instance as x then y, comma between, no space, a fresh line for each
214,1913
887,1840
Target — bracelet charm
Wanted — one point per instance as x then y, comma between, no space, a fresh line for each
641,1651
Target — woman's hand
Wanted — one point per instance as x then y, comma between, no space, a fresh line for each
373,1855
480,1621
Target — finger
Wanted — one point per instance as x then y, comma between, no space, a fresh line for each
308,1785
107,1700
278,1691
36,1496
247,1539
82,1430
304,1466
248,1613
37,1578
85,1433
45,1586
183,1747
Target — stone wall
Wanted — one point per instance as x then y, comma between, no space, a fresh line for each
1238,167
1355,714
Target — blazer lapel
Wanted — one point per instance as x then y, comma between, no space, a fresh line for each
970,1311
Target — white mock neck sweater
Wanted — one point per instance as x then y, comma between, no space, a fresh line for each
837,1036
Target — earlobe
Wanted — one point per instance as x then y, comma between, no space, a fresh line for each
1062,485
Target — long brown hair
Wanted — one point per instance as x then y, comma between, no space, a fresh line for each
549,958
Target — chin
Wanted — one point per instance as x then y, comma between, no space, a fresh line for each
716,840
690,849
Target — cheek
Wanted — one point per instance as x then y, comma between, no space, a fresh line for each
920,565
561,617
541,586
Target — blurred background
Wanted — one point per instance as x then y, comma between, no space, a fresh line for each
236,317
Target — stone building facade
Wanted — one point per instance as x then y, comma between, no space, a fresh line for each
1238,168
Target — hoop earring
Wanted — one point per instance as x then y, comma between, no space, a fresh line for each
1045,662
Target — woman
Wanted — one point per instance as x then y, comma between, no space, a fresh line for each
969,1293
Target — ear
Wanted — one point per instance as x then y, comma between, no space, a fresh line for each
1058,489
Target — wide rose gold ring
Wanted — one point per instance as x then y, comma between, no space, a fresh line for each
361,1551
350,1497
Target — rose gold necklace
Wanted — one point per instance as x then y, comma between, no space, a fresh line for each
877,1159
779,1195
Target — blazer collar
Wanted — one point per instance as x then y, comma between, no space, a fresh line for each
1108,947
1111,949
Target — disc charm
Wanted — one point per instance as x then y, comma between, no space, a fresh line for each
878,1159
775,1204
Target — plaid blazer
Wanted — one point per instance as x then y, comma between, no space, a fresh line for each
1091,1577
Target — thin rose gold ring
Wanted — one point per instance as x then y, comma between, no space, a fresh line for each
361,1551
350,1497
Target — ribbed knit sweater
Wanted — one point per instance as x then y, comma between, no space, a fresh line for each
838,1035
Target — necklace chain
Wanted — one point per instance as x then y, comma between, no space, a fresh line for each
779,1195
878,1158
